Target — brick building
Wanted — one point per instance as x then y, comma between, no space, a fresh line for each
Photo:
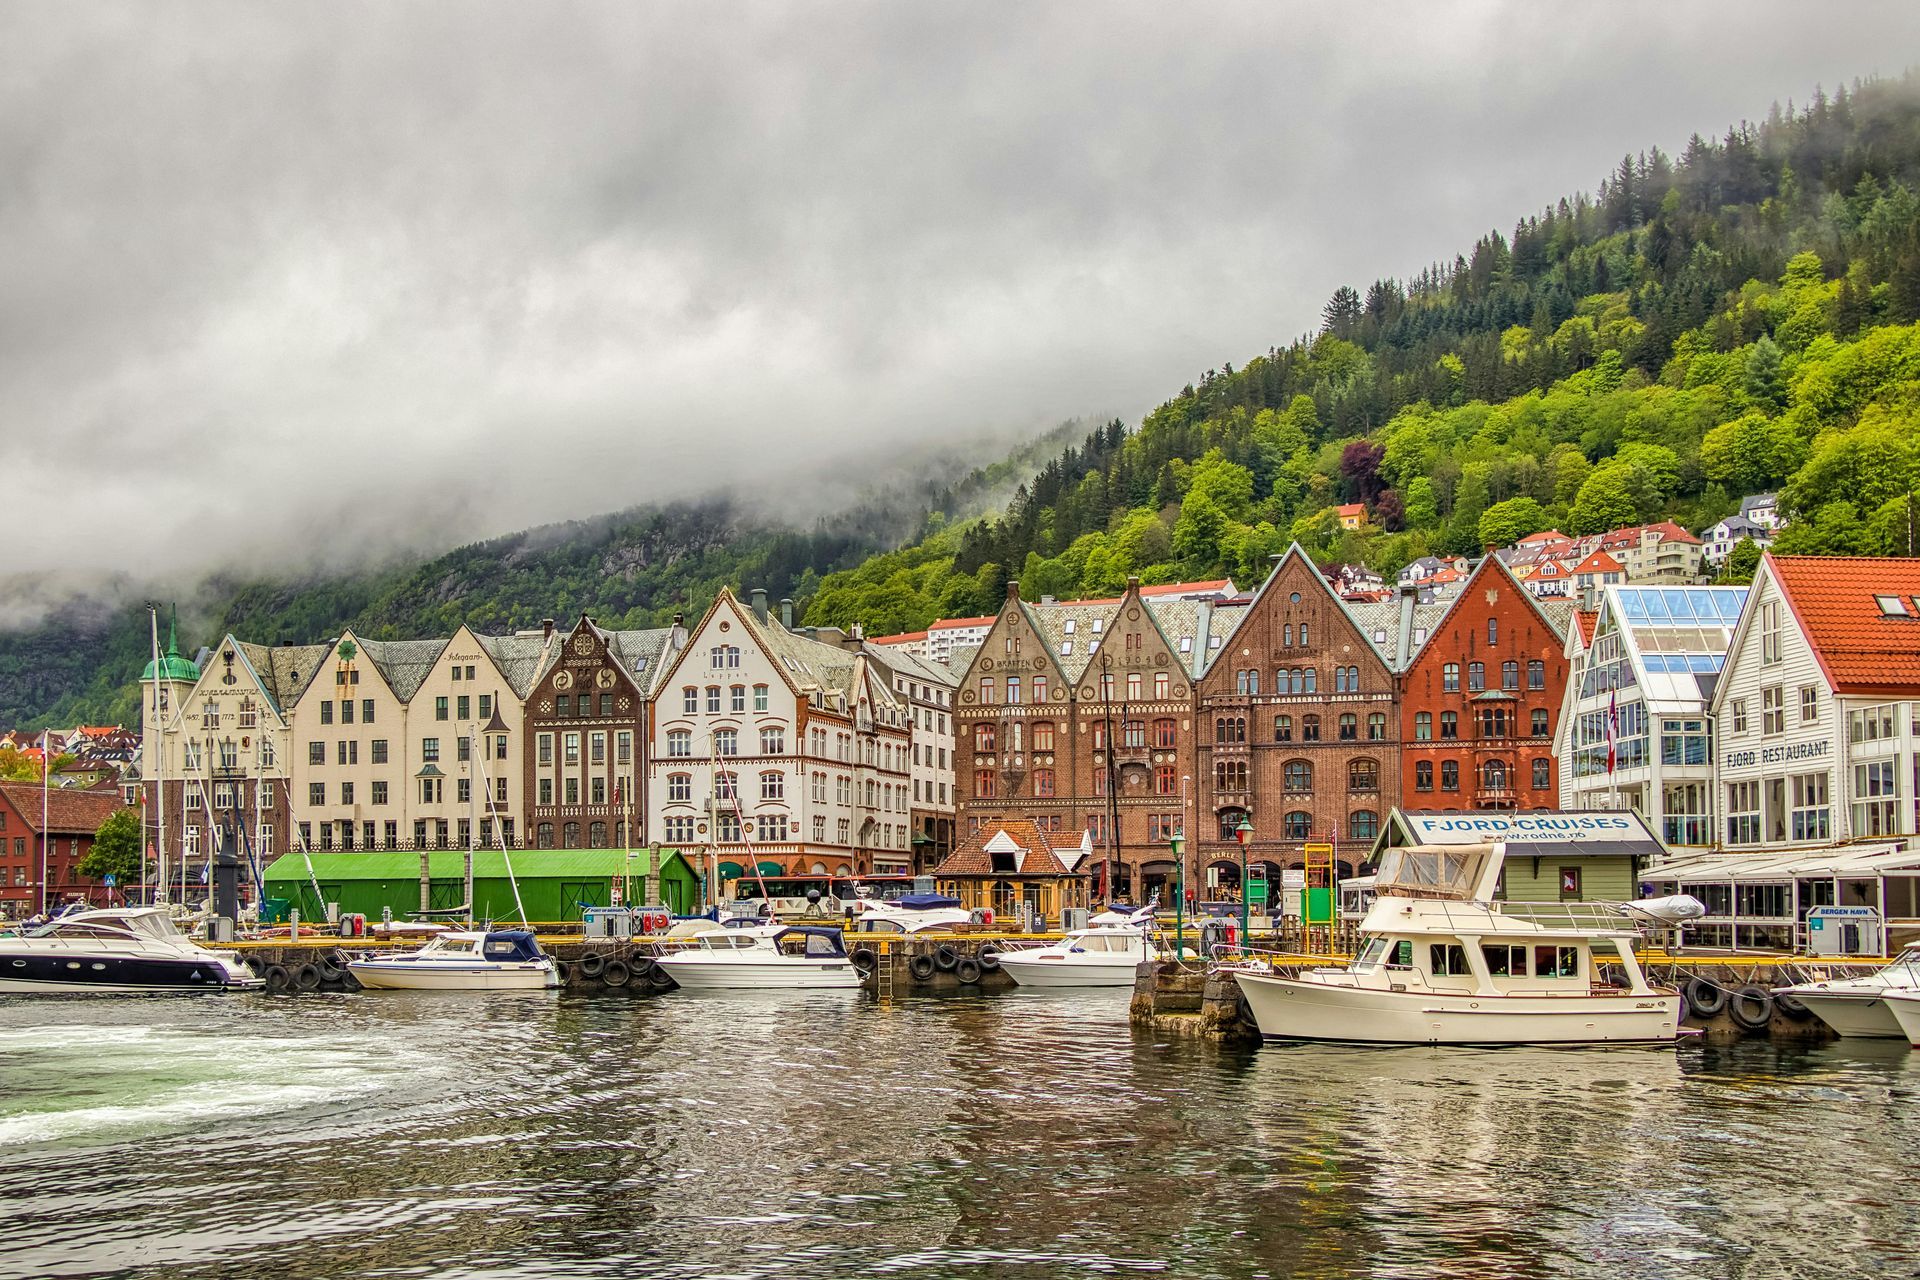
1481,697
72,818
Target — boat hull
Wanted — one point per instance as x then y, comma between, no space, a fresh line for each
1292,1009
68,974
697,972
1054,971
1866,1014
394,975
1905,1009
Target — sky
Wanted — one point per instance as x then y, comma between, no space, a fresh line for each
297,284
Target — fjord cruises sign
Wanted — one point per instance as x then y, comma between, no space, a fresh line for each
1523,828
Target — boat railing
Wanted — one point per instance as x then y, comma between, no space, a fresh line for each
1581,915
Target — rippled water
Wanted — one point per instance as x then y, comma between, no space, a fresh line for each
411,1134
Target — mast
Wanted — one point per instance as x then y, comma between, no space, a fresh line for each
159,770
493,819
46,782
472,818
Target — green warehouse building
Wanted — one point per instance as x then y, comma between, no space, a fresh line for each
555,884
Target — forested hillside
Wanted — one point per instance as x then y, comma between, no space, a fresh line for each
1737,319
1741,317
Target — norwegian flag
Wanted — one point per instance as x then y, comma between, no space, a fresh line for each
1613,729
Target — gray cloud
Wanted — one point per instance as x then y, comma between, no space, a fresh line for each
311,282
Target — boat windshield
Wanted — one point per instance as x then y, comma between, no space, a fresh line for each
1433,871
1370,955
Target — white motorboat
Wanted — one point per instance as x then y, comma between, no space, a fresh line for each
1905,1008
914,913
461,960
763,957
1859,1006
1441,963
115,950
1107,955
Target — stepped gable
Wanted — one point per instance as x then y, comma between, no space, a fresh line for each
1861,616
403,664
1035,853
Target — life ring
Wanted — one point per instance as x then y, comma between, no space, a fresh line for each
615,973
1792,1006
277,978
967,969
945,958
988,958
1752,1007
307,977
921,967
865,959
1705,998
592,964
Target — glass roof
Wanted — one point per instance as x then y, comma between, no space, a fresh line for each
1680,606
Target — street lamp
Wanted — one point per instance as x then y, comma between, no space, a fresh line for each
1243,833
1179,846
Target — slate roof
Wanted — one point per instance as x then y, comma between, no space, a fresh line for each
906,664
285,670
1374,617
521,659
403,664
1861,648
70,810
1037,853
1050,620
637,652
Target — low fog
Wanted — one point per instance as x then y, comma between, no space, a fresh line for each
301,284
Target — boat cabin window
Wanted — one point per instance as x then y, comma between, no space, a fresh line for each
1505,962
1446,958
821,946
1370,955
1556,962
1402,957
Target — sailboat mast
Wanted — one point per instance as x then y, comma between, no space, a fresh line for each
159,770
472,765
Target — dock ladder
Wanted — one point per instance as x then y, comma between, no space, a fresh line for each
1317,906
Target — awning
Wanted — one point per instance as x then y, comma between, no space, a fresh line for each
772,869
1779,866
731,871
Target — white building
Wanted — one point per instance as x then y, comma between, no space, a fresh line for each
1649,669
927,689
768,747
1719,540
948,634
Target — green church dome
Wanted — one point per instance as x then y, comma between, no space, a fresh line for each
171,666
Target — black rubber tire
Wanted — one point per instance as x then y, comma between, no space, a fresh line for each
616,973
920,968
864,959
592,964
988,957
1244,1009
660,980
967,969
348,982
307,977
642,967
945,958
1705,998
277,978
256,964
1752,1007
329,971
1792,1006
563,971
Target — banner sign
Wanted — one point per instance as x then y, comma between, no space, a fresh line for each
1523,828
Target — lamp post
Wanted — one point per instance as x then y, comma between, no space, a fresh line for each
1243,833
1179,845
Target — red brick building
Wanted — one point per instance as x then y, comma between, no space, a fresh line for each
1481,699
1297,732
72,818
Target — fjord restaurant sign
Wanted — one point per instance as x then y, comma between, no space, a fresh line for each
1524,828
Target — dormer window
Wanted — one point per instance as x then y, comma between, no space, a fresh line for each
1891,606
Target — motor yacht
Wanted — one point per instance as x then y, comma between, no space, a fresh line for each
1107,955
762,958
1442,963
462,960
914,913
1860,1006
1905,1008
115,950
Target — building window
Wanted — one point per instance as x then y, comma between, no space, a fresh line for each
597,749
1134,732
1450,677
1449,775
759,697
1363,775
1423,775
1230,775
622,747
316,793
1363,824
1377,726
1542,773
1299,824
1043,736
737,698
1449,724
1809,703
316,753
545,791
1683,742
570,750
689,700
430,750
1283,728
1773,710
773,785
1230,729
1811,816
570,835
1013,691
1163,734
726,742
1297,776
986,784
1684,819
1039,688
326,714
379,793
713,699
1770,632
1423,726
679,743
1476,677
987,687
1739,715
439,708
1230,820
1510,676
1876,794
773,741
984,736
1536,674
1043,782
563,705
1493,631
1539,725
1493,776
1164,782
1349,727
1309,728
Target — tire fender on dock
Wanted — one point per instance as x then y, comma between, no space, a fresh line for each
945,958
967,969
1705,998
921,968
592,964
1752,1007
616,973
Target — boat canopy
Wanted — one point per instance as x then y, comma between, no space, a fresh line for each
510,944
925,901
1466,872
819,942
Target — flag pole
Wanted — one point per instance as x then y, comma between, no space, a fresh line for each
46,781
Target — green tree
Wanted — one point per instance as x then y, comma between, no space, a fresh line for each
1507,522
1761,379
117,849
1742,563
1606,502
1423,509
1198,532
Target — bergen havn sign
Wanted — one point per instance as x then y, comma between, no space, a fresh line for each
1522,828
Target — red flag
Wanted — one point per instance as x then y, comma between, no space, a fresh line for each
1613,729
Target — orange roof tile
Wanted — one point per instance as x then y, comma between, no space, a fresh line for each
947,624
1586,620
1861,648
970,857
1170,588
1598,562
70,811
1352,509
905,637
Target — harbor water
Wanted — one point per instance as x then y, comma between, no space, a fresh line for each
823,1135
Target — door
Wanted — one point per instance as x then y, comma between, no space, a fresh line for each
575,894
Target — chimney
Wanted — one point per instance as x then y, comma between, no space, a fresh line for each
677,638
546,628
786,612
1013,589
1046,599
1133,582
859,633
759,598
1409,597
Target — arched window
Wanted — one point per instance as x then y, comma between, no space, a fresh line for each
1349,727
1230,820
1542,774
1493,775
1449,775
1363,775
725,785
543,835
1283,728
1363,824
1423,726
570,836
1309,728
1377,726
1423,776
597,835
1311,677
1230,775
1297,776
1299,824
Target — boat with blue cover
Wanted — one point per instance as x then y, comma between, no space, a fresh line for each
496,960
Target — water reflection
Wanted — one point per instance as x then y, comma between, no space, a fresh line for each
819,1134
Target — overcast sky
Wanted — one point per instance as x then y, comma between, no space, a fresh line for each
287,279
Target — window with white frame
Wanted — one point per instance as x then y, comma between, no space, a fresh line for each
1773,710
1743,813
1876,799
1811,815
1809,703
